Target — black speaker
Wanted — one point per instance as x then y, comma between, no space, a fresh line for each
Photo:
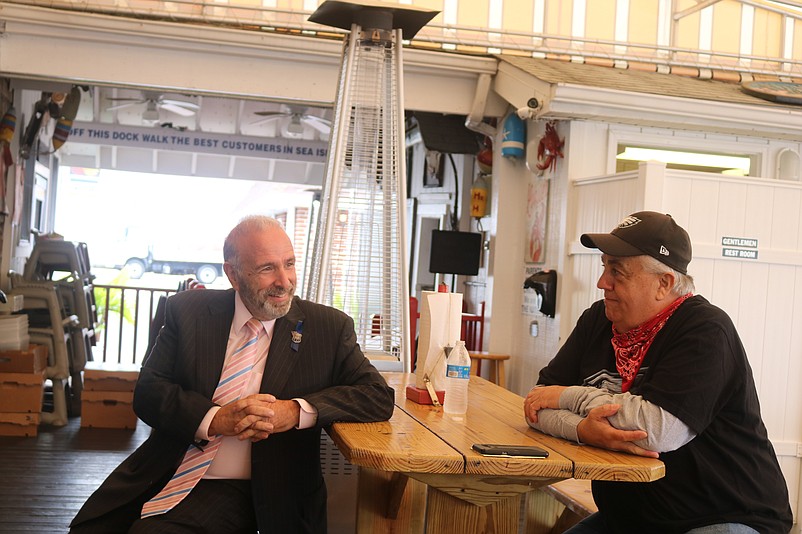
455,252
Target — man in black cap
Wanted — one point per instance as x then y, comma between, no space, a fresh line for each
656,371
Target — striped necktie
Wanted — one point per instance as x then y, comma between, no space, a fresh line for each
234,377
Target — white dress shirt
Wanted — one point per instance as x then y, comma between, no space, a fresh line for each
233,458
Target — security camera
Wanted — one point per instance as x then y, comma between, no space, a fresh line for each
529,111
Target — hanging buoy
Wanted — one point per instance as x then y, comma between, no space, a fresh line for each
485,157
69,110
479,197
7,125
514,137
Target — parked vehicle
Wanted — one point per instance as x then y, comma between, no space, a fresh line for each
170,260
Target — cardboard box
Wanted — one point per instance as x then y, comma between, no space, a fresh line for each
103,376
107,409
33,360
19,424
21,392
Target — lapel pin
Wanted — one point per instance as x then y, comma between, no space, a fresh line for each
297,336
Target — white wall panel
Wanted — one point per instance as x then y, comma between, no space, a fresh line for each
750,315
731,210
776,353
724,279
700,221
793,399
757,216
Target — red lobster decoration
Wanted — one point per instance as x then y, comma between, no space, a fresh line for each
549,148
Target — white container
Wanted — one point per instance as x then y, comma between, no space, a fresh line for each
458,370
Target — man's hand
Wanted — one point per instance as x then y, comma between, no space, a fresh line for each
255,417
541,397
596,430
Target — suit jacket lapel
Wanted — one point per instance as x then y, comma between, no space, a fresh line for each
212,340
282,358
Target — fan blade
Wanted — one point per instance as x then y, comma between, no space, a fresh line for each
321,125
178,110
180,103
268,116
123,106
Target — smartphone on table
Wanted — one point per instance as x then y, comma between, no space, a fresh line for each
509,451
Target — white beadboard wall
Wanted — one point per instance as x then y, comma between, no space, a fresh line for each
763,296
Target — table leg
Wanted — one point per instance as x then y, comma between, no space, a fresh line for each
475,504
382,494
442,504
449,515
502,376
542,512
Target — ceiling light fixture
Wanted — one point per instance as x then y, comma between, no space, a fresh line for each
151,114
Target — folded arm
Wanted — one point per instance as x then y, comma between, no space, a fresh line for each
559,410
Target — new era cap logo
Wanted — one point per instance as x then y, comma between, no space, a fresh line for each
664,250
628,222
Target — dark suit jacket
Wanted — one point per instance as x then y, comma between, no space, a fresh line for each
179,377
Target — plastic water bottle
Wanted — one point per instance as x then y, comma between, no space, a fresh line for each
458,370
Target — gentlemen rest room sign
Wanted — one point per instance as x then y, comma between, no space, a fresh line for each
739,247
193,141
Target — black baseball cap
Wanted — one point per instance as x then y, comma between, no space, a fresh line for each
646,233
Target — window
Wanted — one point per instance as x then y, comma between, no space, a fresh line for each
628,157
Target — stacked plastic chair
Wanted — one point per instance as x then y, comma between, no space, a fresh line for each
60,303
49,325
66,263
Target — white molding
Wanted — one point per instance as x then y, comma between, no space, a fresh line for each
616,106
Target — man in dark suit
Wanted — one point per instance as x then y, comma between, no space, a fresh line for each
265,473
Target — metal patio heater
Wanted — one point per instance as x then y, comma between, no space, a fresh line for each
358,263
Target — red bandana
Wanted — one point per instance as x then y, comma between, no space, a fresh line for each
631,347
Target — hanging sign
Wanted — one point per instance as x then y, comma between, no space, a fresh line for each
193,141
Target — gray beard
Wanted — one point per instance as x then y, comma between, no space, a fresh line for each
267,310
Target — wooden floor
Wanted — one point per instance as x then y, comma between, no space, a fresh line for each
44,480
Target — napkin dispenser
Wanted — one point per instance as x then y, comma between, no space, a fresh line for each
440,326
545,285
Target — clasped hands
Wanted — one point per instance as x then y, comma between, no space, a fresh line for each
255,417
595,428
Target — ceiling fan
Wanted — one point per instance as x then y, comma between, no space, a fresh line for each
298,119
153,104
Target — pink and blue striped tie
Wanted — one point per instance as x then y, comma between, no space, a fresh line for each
234,377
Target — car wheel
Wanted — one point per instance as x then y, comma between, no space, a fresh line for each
206,274
135,267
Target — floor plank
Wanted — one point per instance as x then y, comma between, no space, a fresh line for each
47,478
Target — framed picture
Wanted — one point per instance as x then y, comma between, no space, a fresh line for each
537,203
